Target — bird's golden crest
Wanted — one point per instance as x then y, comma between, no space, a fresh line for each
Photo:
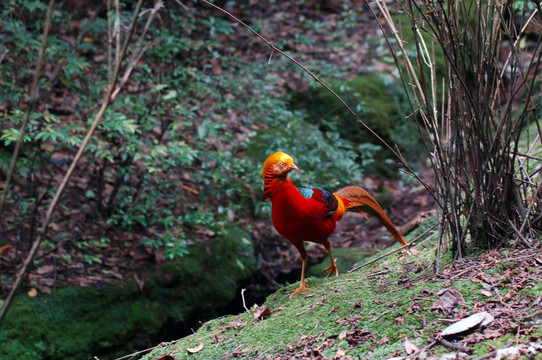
276,158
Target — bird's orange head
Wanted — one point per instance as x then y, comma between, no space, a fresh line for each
277,165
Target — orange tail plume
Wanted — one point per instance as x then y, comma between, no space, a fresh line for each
358,200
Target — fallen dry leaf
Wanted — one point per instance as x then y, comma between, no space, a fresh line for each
410,348
359,336
33,292
238,323
492,334
262,313
449,298
479,319
44,289
487,293
195,349
42,270
473,338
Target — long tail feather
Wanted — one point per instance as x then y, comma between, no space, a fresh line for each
360,201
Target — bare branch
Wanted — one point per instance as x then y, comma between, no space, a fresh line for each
111,89
34,95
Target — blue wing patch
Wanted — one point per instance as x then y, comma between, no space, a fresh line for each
306,192
323,196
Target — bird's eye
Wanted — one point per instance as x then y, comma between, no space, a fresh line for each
282,164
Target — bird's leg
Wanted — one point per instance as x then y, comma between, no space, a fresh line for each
333,267
302,285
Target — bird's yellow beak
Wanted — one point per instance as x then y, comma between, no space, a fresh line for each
294,167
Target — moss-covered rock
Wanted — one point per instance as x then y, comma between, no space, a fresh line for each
78,322
83,321
372,312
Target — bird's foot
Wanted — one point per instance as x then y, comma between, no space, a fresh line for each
302,287
408,249
332,269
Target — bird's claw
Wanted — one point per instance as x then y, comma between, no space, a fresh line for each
332,269
302,287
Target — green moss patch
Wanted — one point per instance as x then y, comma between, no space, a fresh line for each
371,312
81,322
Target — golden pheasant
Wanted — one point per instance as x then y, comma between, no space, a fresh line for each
308,214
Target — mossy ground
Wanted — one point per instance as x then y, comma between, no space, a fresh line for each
81,322
78,321
368,313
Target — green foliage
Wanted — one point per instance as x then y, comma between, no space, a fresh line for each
379,102
205,118
523,6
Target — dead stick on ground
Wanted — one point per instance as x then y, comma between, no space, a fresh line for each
453,346
313,306
382,314
423,350
394,251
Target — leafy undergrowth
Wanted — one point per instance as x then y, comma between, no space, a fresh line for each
179,153
109,321
386,309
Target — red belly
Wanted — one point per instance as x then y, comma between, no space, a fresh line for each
306,220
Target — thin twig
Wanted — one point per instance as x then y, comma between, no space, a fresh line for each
453,346
3,55
521,237
34,94
529,209
382,314
243,297
394,151
423,350
311,307
395,250
48,216
463,272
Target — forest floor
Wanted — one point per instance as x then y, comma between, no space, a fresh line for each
483,307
